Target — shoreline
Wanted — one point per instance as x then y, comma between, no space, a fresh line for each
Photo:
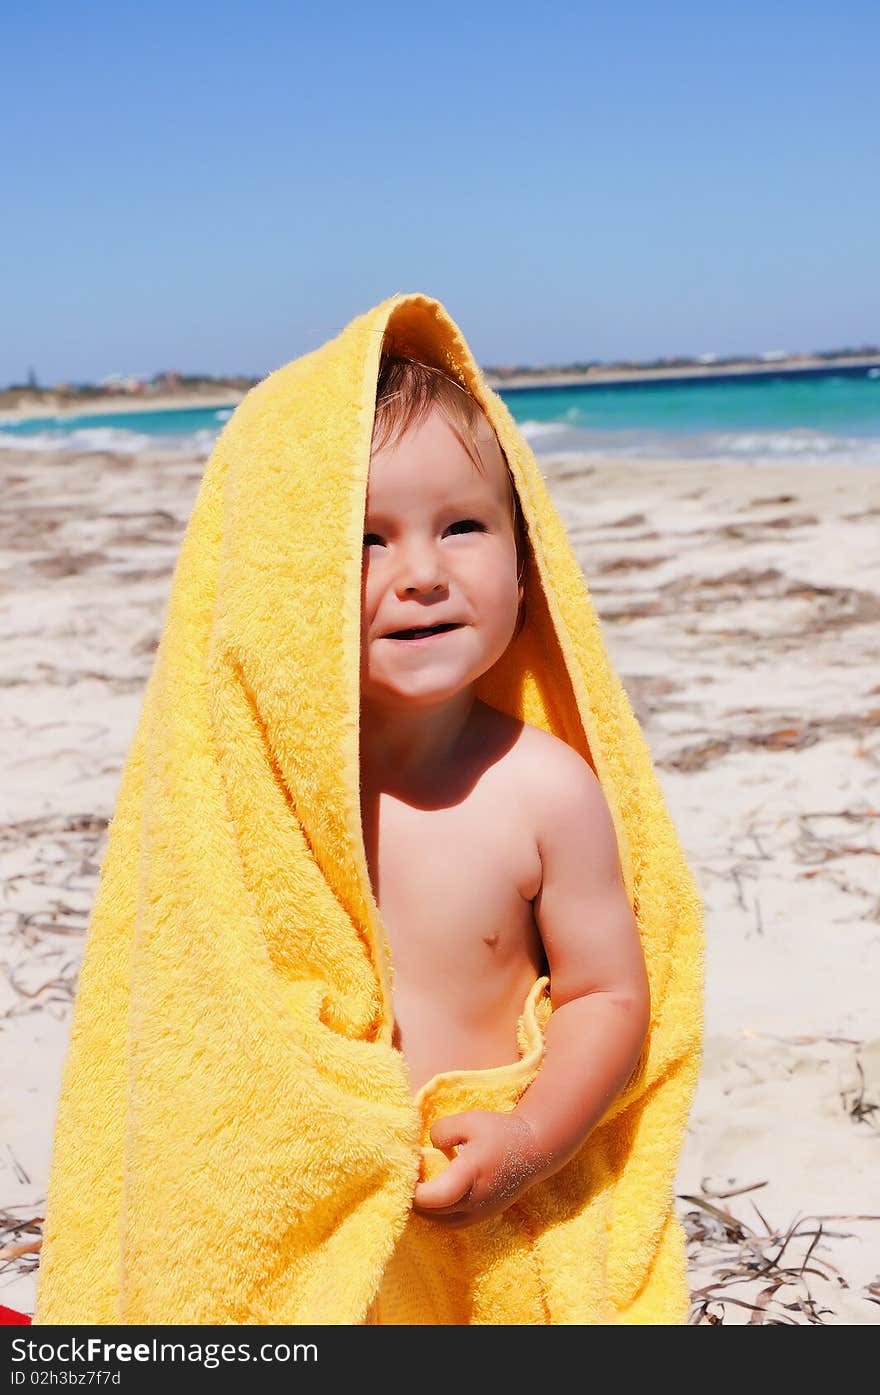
554,463
131,403
128,406
598,377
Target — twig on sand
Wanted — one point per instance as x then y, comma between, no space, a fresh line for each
858,1107
16,1253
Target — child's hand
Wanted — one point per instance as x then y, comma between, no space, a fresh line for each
498,1159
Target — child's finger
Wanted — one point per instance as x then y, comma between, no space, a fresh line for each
447,1190
451,1130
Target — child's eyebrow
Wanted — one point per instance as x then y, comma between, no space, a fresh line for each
463,502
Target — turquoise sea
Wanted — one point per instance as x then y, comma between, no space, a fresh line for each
813,416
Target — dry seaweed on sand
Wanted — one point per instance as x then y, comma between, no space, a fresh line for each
768,1271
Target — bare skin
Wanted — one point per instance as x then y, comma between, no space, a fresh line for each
490,845
455,868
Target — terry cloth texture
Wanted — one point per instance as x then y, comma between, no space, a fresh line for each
236,1141
438,1276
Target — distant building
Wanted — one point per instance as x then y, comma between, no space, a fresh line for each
120,382
773,355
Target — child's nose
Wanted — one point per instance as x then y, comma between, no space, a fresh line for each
421,568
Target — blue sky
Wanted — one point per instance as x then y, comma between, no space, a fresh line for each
218,188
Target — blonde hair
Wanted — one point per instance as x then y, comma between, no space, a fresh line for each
406,391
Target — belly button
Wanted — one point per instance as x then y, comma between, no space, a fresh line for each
492,940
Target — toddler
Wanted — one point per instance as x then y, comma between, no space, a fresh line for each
491,849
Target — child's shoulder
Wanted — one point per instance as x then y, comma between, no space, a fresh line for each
551,767
568,807
556,756
543,764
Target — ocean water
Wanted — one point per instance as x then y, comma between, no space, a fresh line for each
821,416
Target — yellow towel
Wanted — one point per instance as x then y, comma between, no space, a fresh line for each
235,1139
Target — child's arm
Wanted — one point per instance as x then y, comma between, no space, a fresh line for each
598,981
601,1001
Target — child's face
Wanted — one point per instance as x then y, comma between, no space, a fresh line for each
439,547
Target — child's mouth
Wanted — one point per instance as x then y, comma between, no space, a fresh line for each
417,636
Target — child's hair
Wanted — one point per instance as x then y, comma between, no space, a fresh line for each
406,391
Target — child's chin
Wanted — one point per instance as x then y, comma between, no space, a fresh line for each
414,686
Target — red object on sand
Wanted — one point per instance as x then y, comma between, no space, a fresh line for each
10,1318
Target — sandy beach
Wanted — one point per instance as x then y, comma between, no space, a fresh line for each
117,404
741,608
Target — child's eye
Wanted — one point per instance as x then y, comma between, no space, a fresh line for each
370,538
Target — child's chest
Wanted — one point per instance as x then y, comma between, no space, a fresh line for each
454,885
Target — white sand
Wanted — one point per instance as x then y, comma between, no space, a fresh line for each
741,607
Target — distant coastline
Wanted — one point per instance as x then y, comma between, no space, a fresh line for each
564,377
22,403
115,403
